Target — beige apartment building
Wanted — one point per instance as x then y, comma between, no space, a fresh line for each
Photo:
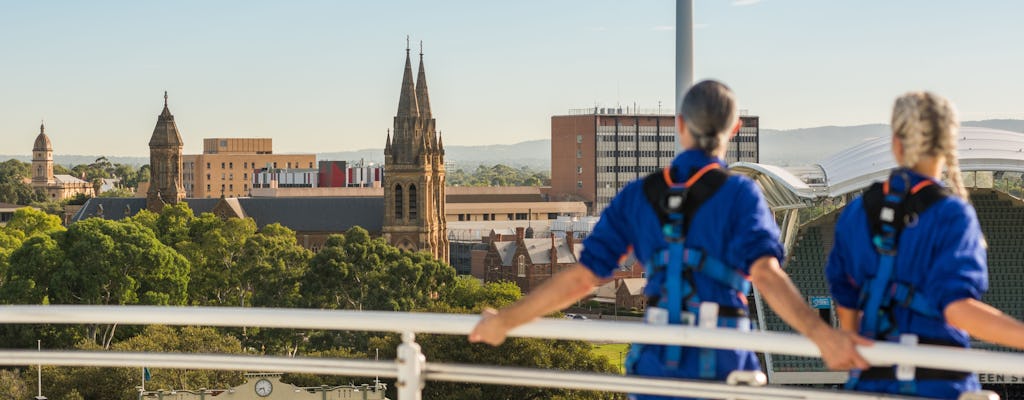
227,166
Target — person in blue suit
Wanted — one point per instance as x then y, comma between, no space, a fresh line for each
702,235
908,261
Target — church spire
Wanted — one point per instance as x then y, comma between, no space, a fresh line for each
166,131
440,143
407,105
387,145
421,89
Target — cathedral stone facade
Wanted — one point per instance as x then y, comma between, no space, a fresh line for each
414,173
165,145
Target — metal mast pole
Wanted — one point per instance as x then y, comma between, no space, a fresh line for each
684,53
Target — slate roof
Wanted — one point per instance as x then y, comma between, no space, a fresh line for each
302,214
540,251
65,179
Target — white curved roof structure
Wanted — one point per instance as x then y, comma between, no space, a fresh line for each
853,169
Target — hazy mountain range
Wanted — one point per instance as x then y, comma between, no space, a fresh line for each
779,147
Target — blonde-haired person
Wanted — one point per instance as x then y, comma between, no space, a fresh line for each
909,256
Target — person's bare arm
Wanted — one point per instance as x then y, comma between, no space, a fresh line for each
838,348
849,319
556,293
985,322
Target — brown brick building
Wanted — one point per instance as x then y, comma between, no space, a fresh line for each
595,152
529,261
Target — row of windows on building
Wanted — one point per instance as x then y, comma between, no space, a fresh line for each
510,216
642,138
246,165
742,154
230,177
223,187
636,153
630,168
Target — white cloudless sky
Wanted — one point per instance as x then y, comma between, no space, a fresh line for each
320,76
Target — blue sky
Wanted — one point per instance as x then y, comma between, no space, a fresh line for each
324,76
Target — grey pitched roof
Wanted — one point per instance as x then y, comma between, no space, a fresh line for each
506,250
113,208
67,179
303,214
540,251
317,214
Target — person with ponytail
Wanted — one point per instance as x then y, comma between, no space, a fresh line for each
703,235
908,262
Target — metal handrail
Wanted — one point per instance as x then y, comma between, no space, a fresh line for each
928,356
433,371
412,370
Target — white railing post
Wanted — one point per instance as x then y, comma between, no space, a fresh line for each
410,368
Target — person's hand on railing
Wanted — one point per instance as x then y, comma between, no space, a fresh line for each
491,329
839,348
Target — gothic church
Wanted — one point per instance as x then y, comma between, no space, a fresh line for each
414,195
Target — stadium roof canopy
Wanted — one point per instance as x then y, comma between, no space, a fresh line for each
853,169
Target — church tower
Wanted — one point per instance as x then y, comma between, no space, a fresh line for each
42,160
414,174
164,163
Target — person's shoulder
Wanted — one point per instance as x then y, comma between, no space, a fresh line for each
853,209
630,194
955,209
741,187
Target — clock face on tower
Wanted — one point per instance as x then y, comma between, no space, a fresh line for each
264,387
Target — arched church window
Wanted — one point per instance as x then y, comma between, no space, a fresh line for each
521,265
398,201
412,202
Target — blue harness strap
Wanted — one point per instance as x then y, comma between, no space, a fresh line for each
889,207
676,204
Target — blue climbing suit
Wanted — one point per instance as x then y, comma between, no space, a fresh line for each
903,252
702,255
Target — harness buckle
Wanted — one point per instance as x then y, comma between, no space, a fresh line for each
708,314
906,373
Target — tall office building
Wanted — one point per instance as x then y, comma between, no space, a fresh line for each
597,151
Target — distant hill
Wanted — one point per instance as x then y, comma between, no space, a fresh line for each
72,160
779,147
535,154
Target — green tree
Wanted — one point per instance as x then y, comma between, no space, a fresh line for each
13,189
97,261
214,248
12,385
117,192
31,222
120,383
498,175
469,295
14,170
273,263
357,272
173,224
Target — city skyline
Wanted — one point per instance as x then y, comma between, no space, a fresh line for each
321,76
